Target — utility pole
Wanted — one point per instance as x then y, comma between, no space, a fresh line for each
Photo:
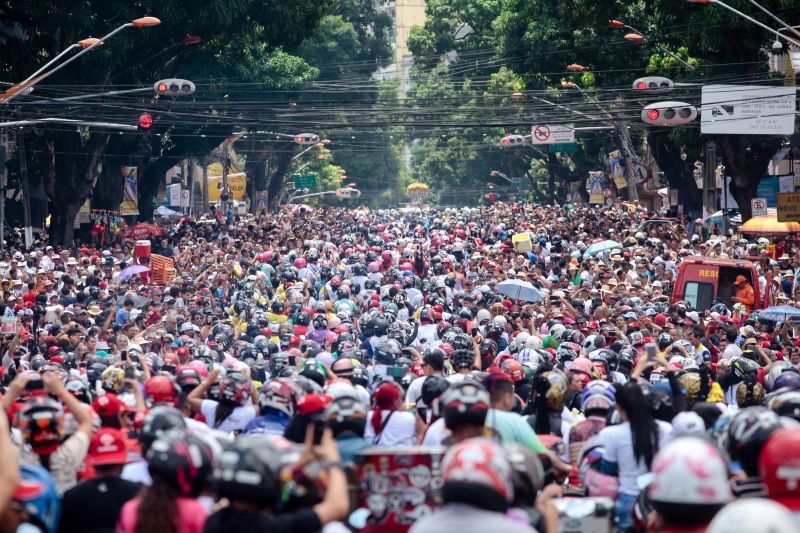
205,184
191,186
26,197
3,184
709,180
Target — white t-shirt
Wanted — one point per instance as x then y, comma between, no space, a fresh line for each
401,430
617,442
436,433
414,391
237,420
731,351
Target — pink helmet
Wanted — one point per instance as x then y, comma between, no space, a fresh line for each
582,364
300,262
601,484
386,255
199,367
374,267
406,266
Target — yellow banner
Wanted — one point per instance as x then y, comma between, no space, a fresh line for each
130,191
237,183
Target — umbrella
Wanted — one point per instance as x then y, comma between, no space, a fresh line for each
520,290
417,186
778,313
602,246
142,230
165,211
132,271
302,208
769,225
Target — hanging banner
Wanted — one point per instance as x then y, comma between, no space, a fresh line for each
617,170
130,191
175,195
595,185
261,202
237,183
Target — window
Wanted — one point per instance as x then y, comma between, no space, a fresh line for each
700,295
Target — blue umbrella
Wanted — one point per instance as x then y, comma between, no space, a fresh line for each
518,289
779,313
602,246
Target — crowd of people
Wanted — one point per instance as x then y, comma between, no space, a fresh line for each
243,394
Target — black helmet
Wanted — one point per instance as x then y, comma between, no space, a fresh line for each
747,433
187,379
462,359
302,319
346,413
278,362
160,420
466,402
184,461
248,471
276,307
432,388
387,352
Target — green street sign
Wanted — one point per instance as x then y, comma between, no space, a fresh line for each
305,182
569,148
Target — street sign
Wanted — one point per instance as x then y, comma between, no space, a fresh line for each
553,134
758,206
347,192
564,148
789,207
305,182
747,110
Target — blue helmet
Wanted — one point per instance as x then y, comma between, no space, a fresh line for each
37,494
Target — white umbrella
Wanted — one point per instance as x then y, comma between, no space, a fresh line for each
520,290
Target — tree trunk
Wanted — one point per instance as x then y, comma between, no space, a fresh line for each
70,177
149,180
746,162
630,157
678,171
276,180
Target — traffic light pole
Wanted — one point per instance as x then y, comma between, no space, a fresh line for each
709,187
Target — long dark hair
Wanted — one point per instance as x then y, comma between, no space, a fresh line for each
644,428
223,411
158,508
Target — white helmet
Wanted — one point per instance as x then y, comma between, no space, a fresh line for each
482,315
528,355
534,342
557,331
519,340
500,319
689,470
754,515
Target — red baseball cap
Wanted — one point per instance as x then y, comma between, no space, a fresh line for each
108,404
107,447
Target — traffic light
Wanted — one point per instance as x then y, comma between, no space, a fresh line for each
173,87
653,85
144,143
669,113
306,138
510,141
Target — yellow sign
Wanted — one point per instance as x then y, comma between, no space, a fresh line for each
237,183
708,274
789,207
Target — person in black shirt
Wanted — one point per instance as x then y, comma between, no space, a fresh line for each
93,506
247,479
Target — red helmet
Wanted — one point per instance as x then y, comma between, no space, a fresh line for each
235,388
416,368
478,466
281,394
582,364
300,262
779,466
161,389
386,256
513,368
447,348
182,353
170,360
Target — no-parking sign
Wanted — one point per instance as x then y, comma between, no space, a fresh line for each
552,134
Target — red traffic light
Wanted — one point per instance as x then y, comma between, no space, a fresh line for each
162,87
145,121
653,114
505,141
641,85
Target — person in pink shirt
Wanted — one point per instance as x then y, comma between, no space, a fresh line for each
179,465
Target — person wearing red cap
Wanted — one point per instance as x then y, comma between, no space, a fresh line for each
95,505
